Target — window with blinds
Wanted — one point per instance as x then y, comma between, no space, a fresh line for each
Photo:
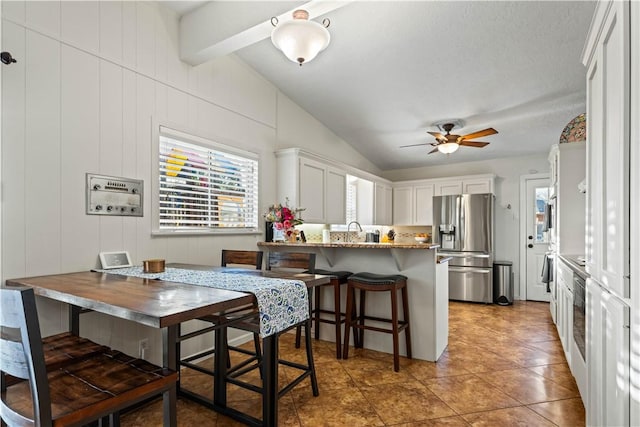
205,187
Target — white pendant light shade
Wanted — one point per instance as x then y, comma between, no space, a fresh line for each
448,147
300,39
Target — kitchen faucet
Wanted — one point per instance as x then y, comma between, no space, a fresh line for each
349,226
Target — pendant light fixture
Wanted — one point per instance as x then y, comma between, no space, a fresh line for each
300,39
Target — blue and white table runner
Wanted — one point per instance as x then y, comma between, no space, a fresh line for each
282,303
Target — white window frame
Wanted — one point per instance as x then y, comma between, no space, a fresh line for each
206,144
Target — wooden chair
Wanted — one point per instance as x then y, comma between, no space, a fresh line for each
83,392
305,262
229,258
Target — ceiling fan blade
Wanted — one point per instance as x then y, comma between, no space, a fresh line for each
414,145
478,144
485,132
433,151
437,135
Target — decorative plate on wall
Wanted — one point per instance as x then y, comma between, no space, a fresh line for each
575,130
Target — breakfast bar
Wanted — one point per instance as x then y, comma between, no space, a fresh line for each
428,286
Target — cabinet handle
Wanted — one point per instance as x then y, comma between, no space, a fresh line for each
530,245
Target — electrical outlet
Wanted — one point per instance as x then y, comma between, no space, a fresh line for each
143,346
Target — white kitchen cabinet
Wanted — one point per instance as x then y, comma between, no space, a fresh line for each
383,206
564,283
472,184
568,166
607,354
413,203
313,184
607,57
423,211
448,188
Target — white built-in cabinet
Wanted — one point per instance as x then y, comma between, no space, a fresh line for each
413,200
607,57
383,204
608,351
564,317
317,186
612,294
568,169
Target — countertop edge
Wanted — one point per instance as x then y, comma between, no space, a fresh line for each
363,245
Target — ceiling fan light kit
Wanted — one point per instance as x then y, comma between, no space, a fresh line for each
300,39
448,147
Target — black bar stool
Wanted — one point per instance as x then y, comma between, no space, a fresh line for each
338,278
370,282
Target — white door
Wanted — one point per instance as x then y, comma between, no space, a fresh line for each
535,239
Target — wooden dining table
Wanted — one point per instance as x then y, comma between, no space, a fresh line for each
165,305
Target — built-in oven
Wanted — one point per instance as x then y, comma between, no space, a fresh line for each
579,310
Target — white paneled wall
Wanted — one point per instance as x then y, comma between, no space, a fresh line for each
90,80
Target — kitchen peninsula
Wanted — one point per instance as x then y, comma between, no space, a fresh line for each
427,284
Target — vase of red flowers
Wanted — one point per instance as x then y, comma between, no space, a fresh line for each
283,220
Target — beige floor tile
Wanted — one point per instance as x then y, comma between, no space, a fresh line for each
527,387
468,393
520,416
568,412
405,402
456,421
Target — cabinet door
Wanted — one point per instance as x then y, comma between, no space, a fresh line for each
383,204
336,196
423,202
607,358
403,205
608,109
477,186
448,188
311,193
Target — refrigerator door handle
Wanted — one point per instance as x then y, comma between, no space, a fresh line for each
459,255
470,270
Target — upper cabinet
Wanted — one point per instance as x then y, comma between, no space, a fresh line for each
568,164
318,187
413,203
383,204
413,200
476,184
608,57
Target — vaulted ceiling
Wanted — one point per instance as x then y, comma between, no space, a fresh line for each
394,68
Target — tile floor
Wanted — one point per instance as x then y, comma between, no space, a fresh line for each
504,367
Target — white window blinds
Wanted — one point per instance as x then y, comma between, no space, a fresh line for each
205,187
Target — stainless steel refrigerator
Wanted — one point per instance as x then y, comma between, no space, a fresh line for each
463,227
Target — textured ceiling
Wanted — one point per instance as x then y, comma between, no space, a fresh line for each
395,68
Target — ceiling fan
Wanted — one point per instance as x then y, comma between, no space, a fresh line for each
449,143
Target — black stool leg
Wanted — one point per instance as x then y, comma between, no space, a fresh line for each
394,325
316,310
337,317
405,308
349,318
360,322
312,367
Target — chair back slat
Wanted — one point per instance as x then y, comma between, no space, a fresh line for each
22,314
233,257
292,260
12,359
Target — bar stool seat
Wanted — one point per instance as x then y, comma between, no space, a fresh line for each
371,282
338,317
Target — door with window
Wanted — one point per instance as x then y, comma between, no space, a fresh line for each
535,239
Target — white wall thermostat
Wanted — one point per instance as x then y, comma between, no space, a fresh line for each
115,259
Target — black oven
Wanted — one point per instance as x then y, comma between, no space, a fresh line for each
579,309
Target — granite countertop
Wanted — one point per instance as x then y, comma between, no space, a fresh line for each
577,266
355,245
